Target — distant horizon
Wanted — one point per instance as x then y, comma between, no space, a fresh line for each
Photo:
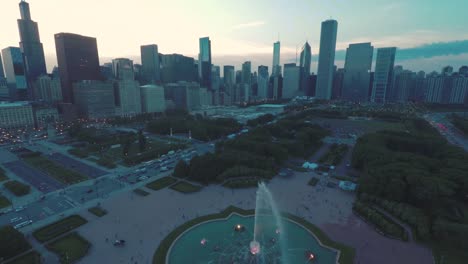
428,37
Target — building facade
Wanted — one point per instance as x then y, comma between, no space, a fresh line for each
291,80
94,99
15,73
262,82
383,74
150,64
152,99
78,60
204,62
16,115
176,67
357,69
276,68
47,89
326,59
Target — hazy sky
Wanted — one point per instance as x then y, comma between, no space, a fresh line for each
245,30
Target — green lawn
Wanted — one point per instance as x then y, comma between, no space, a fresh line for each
334,155
70,248
185,187
18,188
12,243
4,202
97,211
58,228
313,181
141,192
161,183
31,258
55,170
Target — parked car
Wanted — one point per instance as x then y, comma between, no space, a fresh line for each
119,243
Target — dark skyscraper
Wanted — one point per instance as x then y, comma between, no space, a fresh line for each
204,62
78,60
151,65
176,67
306,58
2,74
31,47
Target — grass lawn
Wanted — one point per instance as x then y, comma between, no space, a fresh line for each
141,192
55,170
4,202
12,243
241,183
161,183
70,248
17,188
97,211
58,228
313,181
185,187
334,155
31,258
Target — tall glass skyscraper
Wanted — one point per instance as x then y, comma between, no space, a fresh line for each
383,74
276,69
15,73
150,64
31,46
78,60
326,59
305,60
204,62
357,72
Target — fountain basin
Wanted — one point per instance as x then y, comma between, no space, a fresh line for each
225,245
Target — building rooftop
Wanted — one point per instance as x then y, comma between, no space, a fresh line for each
13,104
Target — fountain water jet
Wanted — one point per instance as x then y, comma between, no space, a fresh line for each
267,213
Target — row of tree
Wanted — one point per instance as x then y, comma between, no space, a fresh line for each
419,168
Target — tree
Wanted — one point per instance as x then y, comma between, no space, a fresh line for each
141,141
181,170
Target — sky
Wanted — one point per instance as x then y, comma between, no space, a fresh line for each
428,34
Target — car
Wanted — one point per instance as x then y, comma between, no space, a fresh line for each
142,178
119,243
19,209
16,219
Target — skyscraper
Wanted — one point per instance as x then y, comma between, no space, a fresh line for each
262,81
15,73
305,60
78,60
204,62
246,80
176,67
31,47
357,69
229,75
150,64
123,69
2,74
276,69
383,74
291,80
326,59
126,89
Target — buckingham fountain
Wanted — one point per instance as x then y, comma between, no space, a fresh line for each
266,237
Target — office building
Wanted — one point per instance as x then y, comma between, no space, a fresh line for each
31,46
246,80
276,68
383,74
43,116
176,67
48,89
2,73
152,99
459,91
215,77
262,82
107,71
305,61
122,69
291,80
13,64
434,88
94,99
326,60
78,60
4,91
204,62
338,80
357,70
16,115
184,95
150,64
404,85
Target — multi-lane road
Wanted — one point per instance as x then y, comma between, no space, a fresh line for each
443,124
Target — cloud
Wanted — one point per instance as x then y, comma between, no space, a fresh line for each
249,25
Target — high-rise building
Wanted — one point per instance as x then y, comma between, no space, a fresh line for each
152,99
326,60
94,99
2,73
122,69
215,77
15,73
276,69
305,60
337,87
357,69
4,91
48,89
383,74
151,68
204,62
291,80
78,60
404,85
176,67
16,115
31,46
246,80
107,71
185,95
459,92
262,82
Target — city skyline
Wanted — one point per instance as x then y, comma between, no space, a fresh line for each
250,36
